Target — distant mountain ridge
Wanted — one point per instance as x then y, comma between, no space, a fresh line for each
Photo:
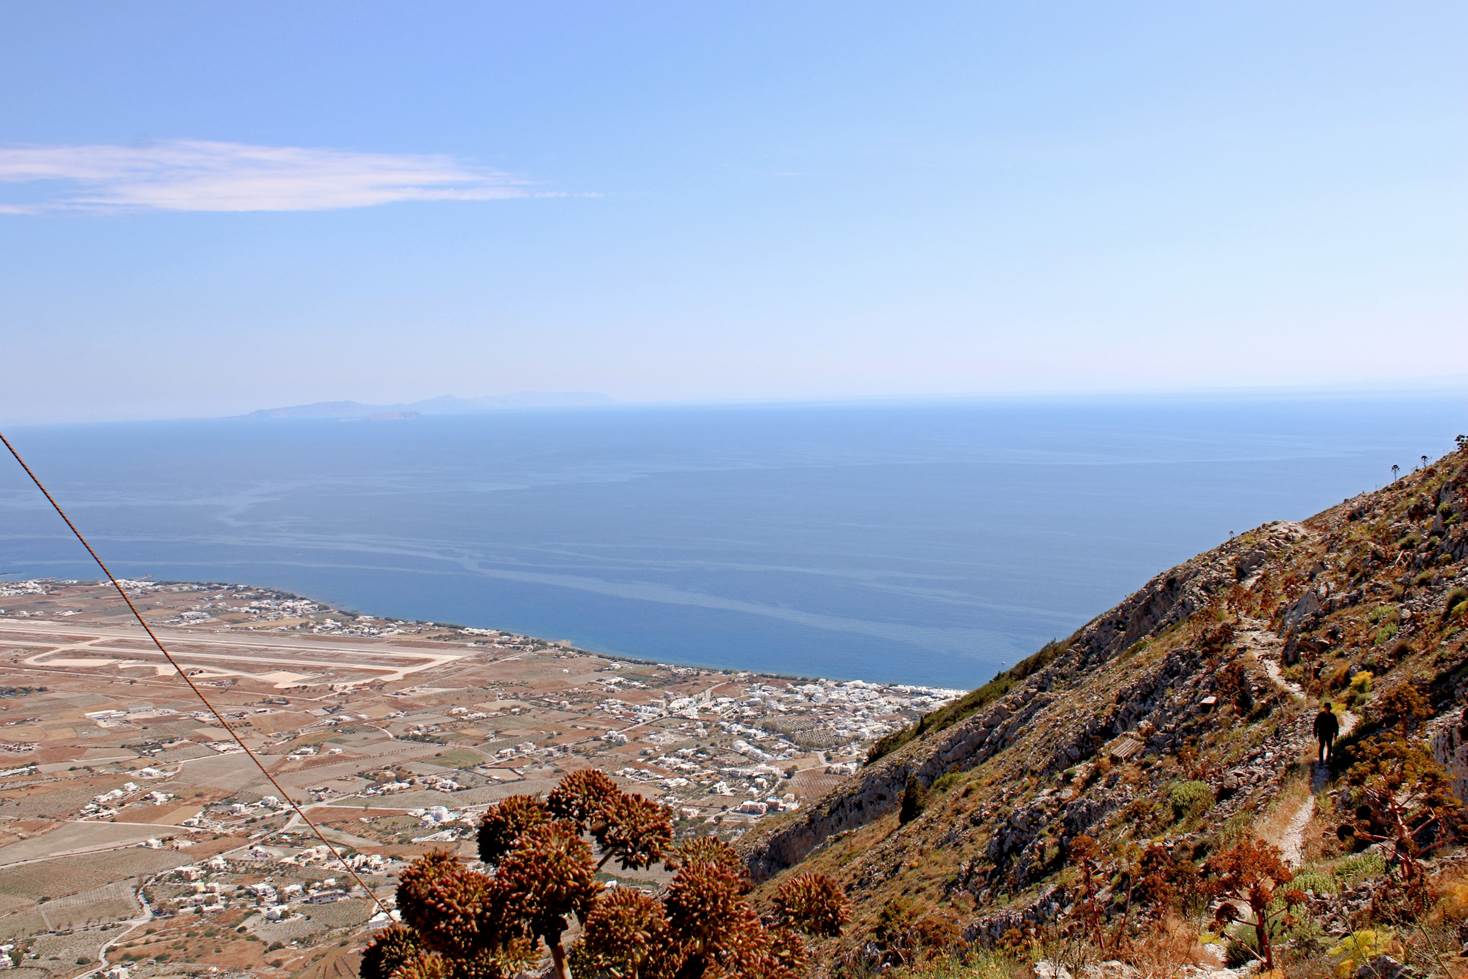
444,404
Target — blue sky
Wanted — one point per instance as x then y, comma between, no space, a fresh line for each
207,208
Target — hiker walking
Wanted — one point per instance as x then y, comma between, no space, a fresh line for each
1326,729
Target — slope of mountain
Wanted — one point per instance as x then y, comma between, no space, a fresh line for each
1166,729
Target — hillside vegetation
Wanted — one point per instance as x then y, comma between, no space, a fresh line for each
1144,794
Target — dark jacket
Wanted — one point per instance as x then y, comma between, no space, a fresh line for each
1326,726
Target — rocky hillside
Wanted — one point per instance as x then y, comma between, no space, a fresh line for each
1166,730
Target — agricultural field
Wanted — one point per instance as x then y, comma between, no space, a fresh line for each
135,834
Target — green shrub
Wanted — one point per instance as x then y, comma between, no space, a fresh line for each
1189,799
914,801
1317,882
1453,605
1383,613
977,964
1360,947
1240,947
1235,827
1358,867
1306,936
945,782
1132,650
1385,634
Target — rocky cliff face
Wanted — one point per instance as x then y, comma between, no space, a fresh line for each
1178,717
1166,601
1450,747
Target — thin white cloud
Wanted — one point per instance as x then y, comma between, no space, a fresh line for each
202,175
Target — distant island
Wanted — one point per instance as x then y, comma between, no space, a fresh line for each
445,404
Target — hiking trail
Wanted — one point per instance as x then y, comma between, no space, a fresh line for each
1266,647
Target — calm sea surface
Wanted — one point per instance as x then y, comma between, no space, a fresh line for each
926,544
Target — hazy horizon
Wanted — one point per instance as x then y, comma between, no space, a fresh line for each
1400,392
202,214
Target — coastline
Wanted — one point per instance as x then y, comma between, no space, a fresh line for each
332,620
395,734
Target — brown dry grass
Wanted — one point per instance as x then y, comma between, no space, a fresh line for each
1275,821
1171,945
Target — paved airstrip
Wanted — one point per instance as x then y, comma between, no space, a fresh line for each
286,662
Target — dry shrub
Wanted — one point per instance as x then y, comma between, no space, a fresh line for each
541,880
1254,872
906,934
1400,796
1169,945
1452,898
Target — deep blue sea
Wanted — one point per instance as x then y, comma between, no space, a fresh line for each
930,543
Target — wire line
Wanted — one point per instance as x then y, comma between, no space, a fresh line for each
186,679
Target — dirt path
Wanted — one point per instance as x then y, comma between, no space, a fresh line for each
1266,647
1292,841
